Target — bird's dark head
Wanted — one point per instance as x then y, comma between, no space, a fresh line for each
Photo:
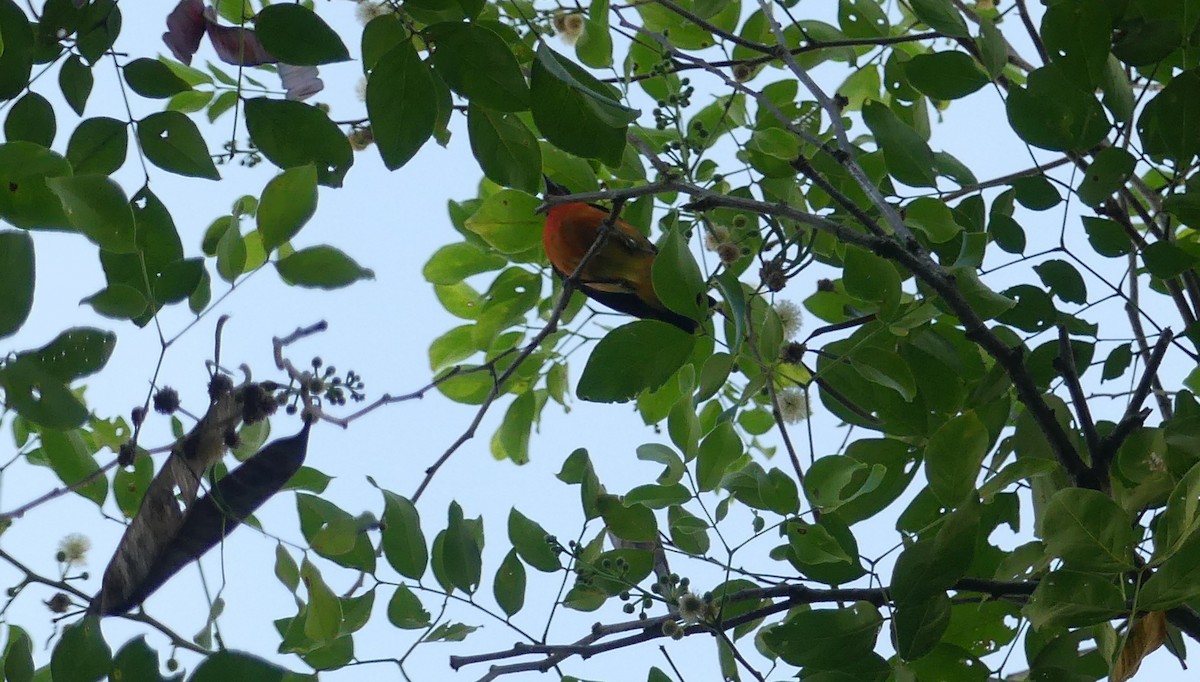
554,189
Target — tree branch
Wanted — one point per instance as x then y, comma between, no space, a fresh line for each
1065,365
1135,415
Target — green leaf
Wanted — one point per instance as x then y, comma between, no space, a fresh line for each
632,358
231,255
453,263
477,64
1106,175
1072,599
450,632
97,207
993,48
405,610
220,104
294,134
1182,516
885,368
908,157
98,146
288,202
574,111
953,457
1063,280
226,665
1164,259
75,80
403,542
37,396
945,75
286,569
932,217
462,551
834,480
74,353
81,654
941,16
73,461
1117,362
1036,193
934,565
1054,113
294,34
18,655
151,78
594,48
871,278
507,222
190,101
677,278
17,274
322,267
633,523
530,541
323,617
657,496
1168,125
129,486
1107,237
1185,207
825,638
172,142
28,203
1177,580
814,544
16,57
1088,531
719,449
336,538
1024,468
689,533
511,439
31,119
509,585
508,153
986,303
1078,39
402,105
920,626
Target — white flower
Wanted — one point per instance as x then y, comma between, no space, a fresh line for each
790,316
691,607
74,548
715,236
368,10
793,405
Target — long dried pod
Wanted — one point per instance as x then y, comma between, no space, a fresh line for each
214,516
159,516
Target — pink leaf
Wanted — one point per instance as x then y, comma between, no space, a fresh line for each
301,82
236,45
185,27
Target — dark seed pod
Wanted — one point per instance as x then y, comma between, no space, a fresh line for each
211,518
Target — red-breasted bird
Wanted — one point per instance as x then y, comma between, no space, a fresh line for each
618,275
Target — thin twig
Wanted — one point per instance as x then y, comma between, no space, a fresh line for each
1135,415
1065,364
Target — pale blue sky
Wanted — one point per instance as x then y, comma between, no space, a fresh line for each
390,222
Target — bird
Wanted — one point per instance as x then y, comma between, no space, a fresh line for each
617,276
